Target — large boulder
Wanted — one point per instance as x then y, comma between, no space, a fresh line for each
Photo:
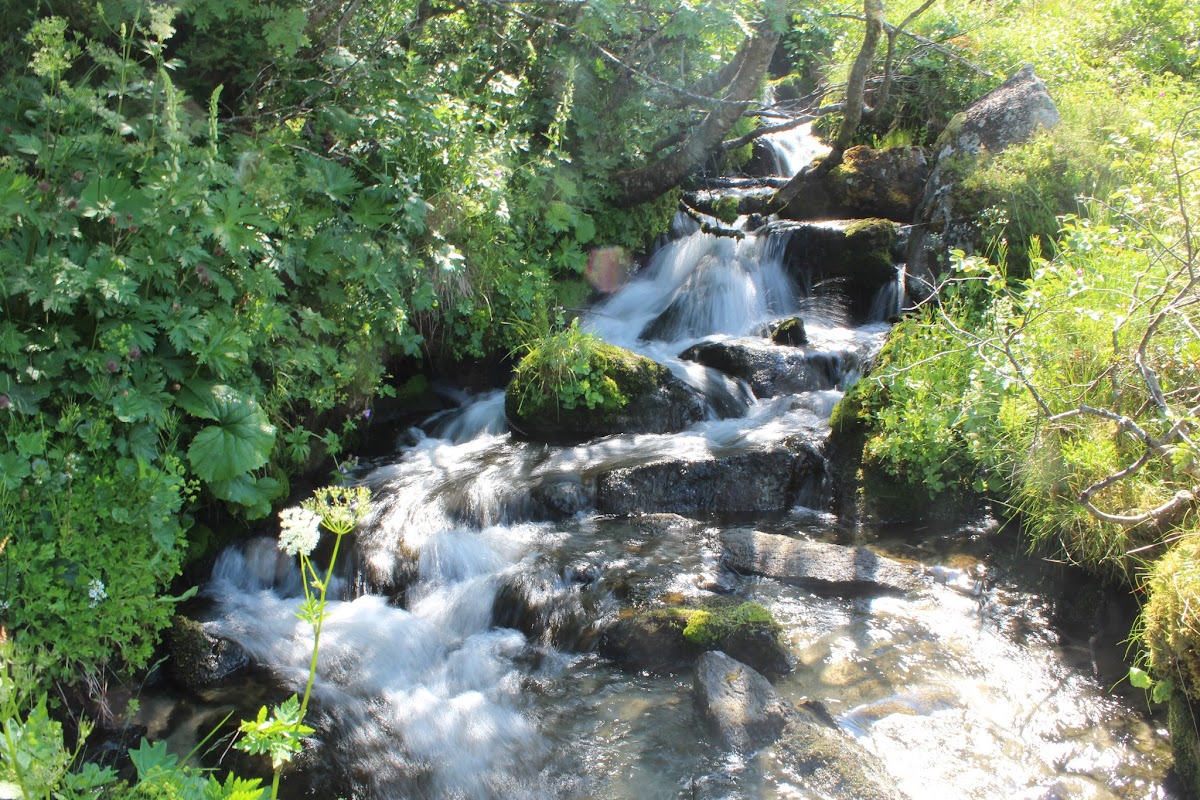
754,482
868,183
665,640
653,401
747,714
1009,114
818,566
855,257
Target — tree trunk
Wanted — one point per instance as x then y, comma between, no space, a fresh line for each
852,109
651,180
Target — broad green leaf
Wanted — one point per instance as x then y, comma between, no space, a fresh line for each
1140,678
241,440
255,494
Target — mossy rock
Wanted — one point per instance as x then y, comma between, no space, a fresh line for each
789,332
671,639
1185,741
641,396
1171,617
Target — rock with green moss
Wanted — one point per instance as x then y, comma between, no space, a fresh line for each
666,640
197,658
1185,741
634,393
789,332
1171,617
885,183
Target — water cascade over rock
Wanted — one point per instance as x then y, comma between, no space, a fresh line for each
486,634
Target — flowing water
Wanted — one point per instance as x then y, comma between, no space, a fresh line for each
459,660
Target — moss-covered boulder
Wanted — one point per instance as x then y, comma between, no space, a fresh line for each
196,658
665,640
1171,617
868,183
602,391
789,332
855,256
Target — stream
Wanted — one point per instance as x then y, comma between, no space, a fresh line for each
460,659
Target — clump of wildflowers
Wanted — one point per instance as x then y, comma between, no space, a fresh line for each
299,530
340,508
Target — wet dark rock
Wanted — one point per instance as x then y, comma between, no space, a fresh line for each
747,714
728,205
818,566
868,183
854,257
789,332
655,402
546,611
761,481
771,370
666,640
1009,114
739,703
559,500
196,658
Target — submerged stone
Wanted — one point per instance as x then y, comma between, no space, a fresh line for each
665,640
738,703
747,714
818,566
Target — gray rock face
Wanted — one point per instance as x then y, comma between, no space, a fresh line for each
739,704
1009,114
196,658
747,714
772,370
768,480
815,565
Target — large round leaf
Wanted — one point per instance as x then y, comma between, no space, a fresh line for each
240,441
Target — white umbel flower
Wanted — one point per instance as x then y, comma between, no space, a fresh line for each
96,592
299,530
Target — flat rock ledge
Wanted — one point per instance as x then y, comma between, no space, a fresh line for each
821,567
744,710
758,482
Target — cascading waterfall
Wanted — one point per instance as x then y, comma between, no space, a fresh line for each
457,661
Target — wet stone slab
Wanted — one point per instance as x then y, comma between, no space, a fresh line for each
817,566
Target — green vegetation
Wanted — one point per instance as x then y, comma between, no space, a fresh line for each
710,626
1056,371
225,222
566,370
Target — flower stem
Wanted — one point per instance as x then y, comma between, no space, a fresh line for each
312,667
